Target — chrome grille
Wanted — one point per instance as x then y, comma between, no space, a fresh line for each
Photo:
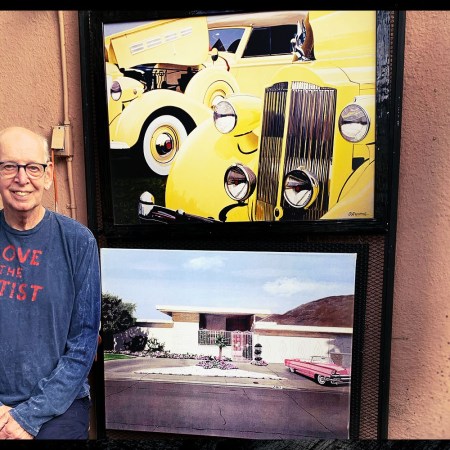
309,144
270,150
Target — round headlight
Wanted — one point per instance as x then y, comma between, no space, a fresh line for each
240,182
225,117
354,123
116,90
301,188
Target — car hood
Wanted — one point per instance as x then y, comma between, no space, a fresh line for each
176,41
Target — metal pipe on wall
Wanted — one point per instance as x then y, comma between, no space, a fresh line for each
68,138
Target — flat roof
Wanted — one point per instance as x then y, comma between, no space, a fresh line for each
155,320
168,309
310,329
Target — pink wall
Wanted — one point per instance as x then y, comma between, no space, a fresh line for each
420,363
31,95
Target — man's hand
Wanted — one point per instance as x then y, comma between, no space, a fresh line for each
3,416
9,428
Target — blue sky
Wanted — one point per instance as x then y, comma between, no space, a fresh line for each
277,281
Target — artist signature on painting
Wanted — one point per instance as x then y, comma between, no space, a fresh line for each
357,214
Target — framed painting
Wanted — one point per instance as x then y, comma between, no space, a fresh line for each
238,120
234,344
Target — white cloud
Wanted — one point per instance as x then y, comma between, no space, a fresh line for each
285,286
205,263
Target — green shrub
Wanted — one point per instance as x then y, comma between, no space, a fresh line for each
153,345
137,343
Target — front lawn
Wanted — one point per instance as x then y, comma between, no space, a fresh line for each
111,356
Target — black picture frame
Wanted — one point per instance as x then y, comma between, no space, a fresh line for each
100,176
372,239
120,417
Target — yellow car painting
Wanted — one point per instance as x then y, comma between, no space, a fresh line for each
164,76
304,150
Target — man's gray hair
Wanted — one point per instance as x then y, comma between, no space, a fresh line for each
46,148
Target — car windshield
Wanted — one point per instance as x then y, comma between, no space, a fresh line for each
225,39
321,359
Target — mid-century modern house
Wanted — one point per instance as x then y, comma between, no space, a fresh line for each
194,330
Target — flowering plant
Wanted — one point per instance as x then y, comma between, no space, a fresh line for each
259,362
216,363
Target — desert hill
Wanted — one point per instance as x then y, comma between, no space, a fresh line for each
335,311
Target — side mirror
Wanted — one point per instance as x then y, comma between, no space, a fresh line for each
214,54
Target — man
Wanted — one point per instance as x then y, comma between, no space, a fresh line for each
50,300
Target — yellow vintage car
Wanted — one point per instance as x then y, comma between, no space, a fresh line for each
305,151
164,76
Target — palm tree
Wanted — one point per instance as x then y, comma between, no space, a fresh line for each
221,342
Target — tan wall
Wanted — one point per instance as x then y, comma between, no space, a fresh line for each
185,317
31,95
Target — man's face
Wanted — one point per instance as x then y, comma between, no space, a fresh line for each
21,193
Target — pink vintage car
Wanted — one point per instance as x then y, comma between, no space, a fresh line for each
321,369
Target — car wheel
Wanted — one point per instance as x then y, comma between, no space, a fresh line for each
321,379
161,142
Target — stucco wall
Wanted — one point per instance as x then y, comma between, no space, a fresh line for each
31,90
183,338
420,363
276,348
31,95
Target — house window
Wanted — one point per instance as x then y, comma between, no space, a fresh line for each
208,337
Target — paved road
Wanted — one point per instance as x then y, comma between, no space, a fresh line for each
292,408
215,410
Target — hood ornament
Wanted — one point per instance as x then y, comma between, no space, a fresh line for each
303,42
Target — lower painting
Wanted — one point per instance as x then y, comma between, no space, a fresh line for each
254,345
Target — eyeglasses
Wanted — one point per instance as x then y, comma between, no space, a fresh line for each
11,169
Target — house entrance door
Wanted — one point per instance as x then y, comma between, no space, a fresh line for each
242,345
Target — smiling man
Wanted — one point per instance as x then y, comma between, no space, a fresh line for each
50,300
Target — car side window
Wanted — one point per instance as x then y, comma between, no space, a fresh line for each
281,39
258,44
225,39
270,41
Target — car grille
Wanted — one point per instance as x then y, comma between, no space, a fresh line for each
308,136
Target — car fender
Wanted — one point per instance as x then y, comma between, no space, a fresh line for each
207,82
127,129
356,200
131,90
195,181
